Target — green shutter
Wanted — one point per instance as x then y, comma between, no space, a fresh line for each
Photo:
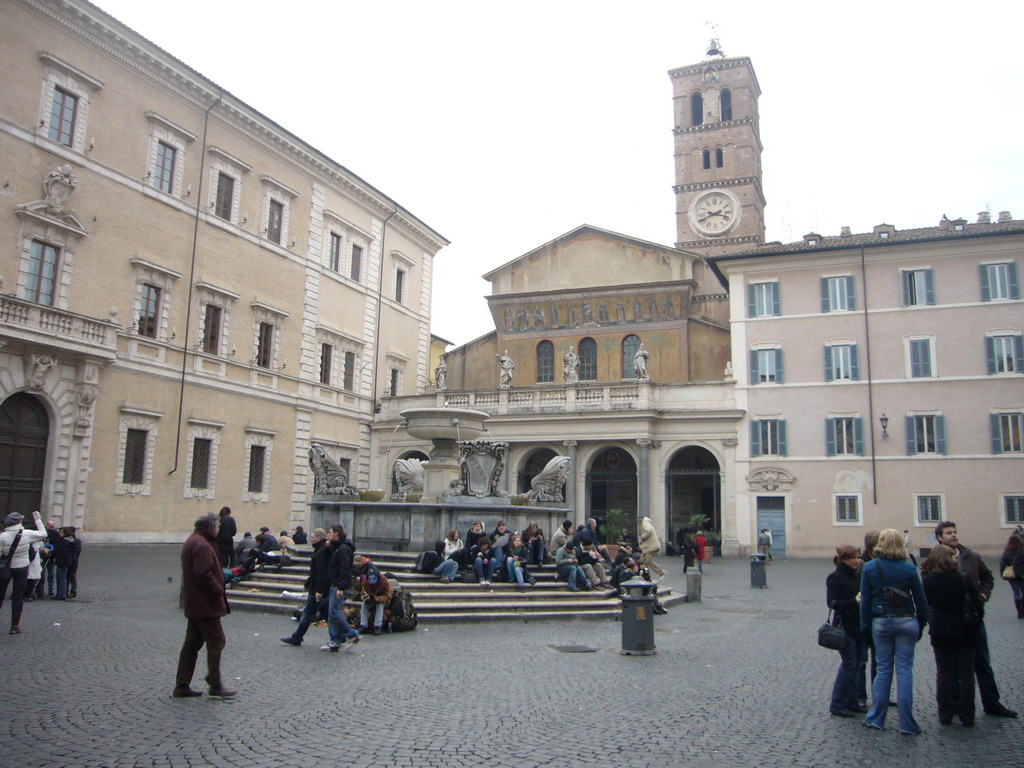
940,435
828,363
997,433
824,295
1011,278
1018,353
751,300
776,300
911,435
782,437
851,294
986,294
854,363
830,437
906,276
755,439
755,377
990,355
858,436
778,366
929,287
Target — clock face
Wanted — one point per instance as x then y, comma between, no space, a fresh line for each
715,213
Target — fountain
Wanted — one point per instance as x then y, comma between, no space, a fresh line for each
444,428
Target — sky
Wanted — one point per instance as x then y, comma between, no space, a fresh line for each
503,126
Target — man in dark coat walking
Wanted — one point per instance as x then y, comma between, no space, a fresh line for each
317,585
226,538
202,581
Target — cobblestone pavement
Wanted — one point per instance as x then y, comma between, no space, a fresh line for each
738,680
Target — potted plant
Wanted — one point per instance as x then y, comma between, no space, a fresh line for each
611,528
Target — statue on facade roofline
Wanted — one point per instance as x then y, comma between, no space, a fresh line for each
508,367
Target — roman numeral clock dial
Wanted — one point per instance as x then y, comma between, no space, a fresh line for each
714,213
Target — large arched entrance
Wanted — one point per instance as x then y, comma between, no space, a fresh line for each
533,466
693,486
24,432
611,485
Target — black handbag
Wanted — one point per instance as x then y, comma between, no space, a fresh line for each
5,563
972,613
830,636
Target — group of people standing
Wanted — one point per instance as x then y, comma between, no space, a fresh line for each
35,556
883,603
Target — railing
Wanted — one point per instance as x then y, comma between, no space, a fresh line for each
69,326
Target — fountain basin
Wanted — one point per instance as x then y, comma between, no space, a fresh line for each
444,423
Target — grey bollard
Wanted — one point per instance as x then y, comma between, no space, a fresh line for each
693,585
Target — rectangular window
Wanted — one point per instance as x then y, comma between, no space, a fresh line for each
921,358
1013,510
1004,354
926,434
163,177
847,510
265,347
999,281
763,300
149,310
929,509
837,294
399,285
768,437
62,117
326,356
41,279
335,262
200,463
356,267
275,221
225,196
841,362
135,457
766,366
1006,432
257,459
918,287
394,382
211,329
844,436
348,382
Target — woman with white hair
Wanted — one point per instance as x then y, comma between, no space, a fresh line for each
894,610
14,544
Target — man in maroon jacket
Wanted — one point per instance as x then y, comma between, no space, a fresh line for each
203,590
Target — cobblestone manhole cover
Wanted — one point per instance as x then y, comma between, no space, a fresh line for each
573,648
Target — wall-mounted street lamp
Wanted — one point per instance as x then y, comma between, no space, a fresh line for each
884,421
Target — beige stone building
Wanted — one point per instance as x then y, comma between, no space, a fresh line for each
191,294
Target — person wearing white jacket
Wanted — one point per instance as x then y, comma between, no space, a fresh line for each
18,560
650,545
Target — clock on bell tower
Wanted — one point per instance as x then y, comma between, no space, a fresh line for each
719,201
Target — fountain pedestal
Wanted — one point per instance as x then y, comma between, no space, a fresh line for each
444,427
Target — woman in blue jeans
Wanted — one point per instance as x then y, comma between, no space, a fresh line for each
893,608
843,596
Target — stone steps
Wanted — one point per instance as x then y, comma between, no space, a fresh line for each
548,600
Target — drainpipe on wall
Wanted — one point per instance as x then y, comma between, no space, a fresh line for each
380,301
871,397
191,283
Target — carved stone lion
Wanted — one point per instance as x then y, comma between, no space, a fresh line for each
409,476
547,484
328,476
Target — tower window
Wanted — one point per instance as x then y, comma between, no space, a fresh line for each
725,102
545,362
707,159
697,109
588,360
718,158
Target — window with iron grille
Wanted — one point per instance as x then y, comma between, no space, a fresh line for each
394,382
62,117
265,348
257,458
201,462
348,382
847,509
588,360
1013,510
399,285
163,177
41,275
545,362
326,356
135,457
225,196
929,509
211,329
275,221
335,251
149,310
357,263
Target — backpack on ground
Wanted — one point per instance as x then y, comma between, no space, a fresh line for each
427,561
403,613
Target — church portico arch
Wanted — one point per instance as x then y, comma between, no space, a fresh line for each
611,483
693,485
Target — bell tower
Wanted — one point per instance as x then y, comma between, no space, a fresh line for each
719,200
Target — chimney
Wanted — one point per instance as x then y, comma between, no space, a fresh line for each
984,217
1004,217
844,231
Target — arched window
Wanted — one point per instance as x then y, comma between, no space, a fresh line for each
707,159
545,362
630,345
725,102
718,158
588,359
697,109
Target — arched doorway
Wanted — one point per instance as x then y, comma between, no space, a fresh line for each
693,486
24,432
537,461
409,455
611,484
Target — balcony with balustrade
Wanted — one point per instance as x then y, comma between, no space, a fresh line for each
65,332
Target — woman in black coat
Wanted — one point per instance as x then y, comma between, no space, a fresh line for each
952,597
1013,557
842,593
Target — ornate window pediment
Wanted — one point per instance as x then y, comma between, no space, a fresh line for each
770,479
